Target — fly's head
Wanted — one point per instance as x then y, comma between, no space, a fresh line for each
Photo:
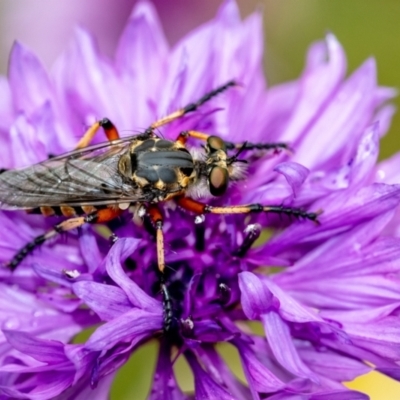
221,168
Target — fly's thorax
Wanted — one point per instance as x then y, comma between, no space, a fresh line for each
158,165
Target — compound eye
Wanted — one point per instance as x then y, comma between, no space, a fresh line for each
218,181
215,143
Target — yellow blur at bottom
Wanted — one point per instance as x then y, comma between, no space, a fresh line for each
376,386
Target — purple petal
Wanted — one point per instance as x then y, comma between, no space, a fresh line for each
343,394
255,298
81,358
107,301
208,330
260,378
384,118
345,117
257,293
84,80
294,173
349,245
132,325
83,391
221,373
142,51
6,109
205,387
279,104
164,383
282,346
22,311
326,67
334,366
49,386
28,79
342,211
340,395
369,315
121,250
48,351
359,278
59,277
24,140
387,171
90,249
382,335
366,156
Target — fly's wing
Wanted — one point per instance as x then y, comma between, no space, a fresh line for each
84,177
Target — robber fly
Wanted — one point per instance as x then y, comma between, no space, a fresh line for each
97,183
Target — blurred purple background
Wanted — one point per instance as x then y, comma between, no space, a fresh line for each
364,27
47,25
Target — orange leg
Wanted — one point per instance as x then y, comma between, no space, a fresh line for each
188,108
104,215
184,136
157,219
199,208
109,129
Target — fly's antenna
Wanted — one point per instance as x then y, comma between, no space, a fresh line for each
235,159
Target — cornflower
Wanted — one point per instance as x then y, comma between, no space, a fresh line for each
326,294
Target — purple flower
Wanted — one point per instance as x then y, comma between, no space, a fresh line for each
328,294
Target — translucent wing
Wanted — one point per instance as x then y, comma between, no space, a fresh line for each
88,176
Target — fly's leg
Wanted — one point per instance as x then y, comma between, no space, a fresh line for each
200,208
167,306
109,129
158,221
199,234
184,135
112,132
99,216
252,232
257,146
156,217
188,108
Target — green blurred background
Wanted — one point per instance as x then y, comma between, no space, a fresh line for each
364,27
